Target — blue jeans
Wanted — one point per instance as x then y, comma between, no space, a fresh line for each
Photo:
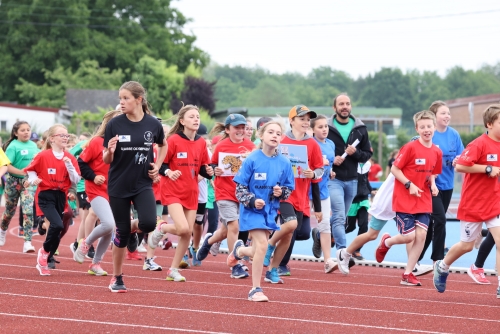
341,195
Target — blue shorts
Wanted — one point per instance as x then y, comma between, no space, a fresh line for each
376,224
407,222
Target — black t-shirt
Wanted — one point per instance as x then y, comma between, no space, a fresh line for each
128,173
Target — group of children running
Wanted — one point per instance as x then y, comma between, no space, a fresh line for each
131,165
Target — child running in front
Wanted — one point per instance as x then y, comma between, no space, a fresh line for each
265,178
480,195
186,159
54,170
415,168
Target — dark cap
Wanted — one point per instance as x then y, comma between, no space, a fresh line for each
34,136
301,110
235,120
262,121
202,130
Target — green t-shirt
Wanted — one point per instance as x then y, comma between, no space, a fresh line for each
76,151
21,154
344,129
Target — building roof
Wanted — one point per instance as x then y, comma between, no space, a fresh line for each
21,106
489,98
356,111
79,100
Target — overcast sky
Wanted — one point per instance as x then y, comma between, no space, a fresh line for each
358,37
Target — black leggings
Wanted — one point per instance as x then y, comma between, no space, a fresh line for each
362,219
484,250
52,203
145,204
213,219
436,231
302,232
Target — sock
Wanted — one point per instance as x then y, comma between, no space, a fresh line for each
443,266
385,243
347,254
474,267
407,273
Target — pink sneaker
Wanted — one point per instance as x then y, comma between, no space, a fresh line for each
42,257
477,275
134,256
382,249
44,271
410,279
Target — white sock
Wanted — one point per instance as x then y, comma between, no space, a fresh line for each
347,254
474,267
385,243
443,266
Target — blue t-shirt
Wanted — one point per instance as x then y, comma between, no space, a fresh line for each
260,174
328,151
450,143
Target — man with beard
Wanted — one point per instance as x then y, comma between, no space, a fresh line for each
344,130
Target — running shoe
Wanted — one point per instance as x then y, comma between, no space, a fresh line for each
141,248
195,261
174,275
257,295
44,271
167,244
34,231
238,272
269,253
95,269
440,277
358,256
56,252
243,262
343,260
284,271
133,242
28,247
202,252
73,246
51,262
155,237
3,236
150,264
233,258
273,277
330,266
214,250
184,262
42,257
352,263
477,275
81,252
117,285
421,269
410,279
133,256
382,249
316,247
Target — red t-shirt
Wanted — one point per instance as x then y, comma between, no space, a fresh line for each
52,171
226,188
374,170
417,163
92,155
480,194
299,197
187,157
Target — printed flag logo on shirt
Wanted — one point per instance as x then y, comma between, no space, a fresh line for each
260,176
24,152
51,171
182,155
124,138
419,161
491,157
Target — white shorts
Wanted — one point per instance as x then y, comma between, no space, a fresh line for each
470,231
324,225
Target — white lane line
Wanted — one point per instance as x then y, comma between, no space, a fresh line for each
103,323
190,294
219,313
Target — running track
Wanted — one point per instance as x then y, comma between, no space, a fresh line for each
370,299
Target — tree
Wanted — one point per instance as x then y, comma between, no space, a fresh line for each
197,92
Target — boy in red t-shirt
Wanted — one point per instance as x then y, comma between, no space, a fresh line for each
480,195
415,168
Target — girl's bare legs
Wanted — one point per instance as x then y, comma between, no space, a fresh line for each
182,227
257,251
281,239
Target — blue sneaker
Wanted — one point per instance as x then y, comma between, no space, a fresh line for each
193,252
269,253
184,262
284,271
204,249
238,272
233,257
439,279
273,277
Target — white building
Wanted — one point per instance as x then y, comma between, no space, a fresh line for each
39,118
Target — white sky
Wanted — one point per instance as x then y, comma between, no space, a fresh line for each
297,36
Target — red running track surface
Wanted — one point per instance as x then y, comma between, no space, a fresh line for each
368,300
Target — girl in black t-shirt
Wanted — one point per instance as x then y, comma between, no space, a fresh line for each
129,140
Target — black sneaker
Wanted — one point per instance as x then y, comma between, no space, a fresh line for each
133,242
316,247
117,285
358,256
51,262
352,263
91,252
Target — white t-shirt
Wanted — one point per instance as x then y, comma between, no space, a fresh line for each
381,207
202,185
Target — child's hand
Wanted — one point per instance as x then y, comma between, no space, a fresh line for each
277,191
99,179
71,196
66,159
325,162
218,171
37,181
308,173
112,144
495,172
319,216
174,174
332,175
434,190
414,190
259,203
153,171
209,170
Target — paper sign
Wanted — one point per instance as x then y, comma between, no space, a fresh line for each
297,154
230,163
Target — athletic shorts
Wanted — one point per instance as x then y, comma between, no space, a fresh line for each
470,231
83,203
228,211
407,222
376,224
288,213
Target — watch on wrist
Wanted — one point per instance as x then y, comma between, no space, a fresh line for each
488,170
407,185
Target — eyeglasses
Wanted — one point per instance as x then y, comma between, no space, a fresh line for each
61,135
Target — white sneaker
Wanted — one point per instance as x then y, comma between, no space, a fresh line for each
174,275
421,269
155,237
331,265
28,247
214,250
3,235
141,248
343,261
